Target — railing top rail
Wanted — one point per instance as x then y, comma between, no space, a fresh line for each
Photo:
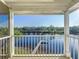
35,35
74,36
5,37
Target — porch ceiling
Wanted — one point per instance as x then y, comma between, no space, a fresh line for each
40,6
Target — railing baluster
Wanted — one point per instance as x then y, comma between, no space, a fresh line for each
22,41
24,46
49,46
58,45
52,43
46,44
61,46
18,45
37,44
70,45
14,46
28,45
76,53
34,42
40,45
55,46
74,49
2,46
31,43
5,46
20,50
43,44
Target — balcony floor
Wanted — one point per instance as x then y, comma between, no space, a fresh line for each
40,57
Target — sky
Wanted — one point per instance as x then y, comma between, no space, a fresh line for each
46,20
74,18
3,20
41,20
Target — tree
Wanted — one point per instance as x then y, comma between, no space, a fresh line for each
4,32
17,32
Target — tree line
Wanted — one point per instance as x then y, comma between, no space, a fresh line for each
23,30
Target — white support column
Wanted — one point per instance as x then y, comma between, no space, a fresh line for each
11,33
66,34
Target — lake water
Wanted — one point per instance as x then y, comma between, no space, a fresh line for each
53,45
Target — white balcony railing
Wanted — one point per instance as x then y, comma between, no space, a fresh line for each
45,44
40,44
4,45
74,46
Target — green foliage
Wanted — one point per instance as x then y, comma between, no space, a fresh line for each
74,30
24,30
3,32
17,32
51,29
56,30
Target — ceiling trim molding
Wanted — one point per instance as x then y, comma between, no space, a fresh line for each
38,13
71,8
4,3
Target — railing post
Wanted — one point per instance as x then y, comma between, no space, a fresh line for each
11,33
66,34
